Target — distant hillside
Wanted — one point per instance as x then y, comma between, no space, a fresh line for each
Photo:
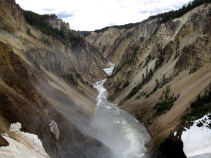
85,33
163,17
126,26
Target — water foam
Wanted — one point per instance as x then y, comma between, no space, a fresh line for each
117,129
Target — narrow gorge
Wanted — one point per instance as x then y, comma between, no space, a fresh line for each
116,128
60,97
160,69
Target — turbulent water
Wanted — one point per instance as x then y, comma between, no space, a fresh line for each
119,130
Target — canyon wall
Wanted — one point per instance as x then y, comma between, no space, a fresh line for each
44,80
153,59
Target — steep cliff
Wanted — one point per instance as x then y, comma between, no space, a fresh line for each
156,64
58,23
45,80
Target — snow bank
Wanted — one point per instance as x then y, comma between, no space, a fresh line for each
197,140
24,145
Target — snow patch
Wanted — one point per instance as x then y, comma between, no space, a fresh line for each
109,70
24,145
15,127
197,140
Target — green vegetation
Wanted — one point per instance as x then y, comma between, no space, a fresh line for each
126,26
199,124
147,59
176,55
192,70
159,61
128,60
28,31
165,102
140,85
125,84
199,107
159,85
46,41
137,115
85,33
164,17
40,22
117,88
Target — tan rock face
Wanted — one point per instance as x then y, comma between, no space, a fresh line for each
14,10
43,79
58,23
178,53
114,43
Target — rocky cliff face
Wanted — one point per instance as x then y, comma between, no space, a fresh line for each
151,58
43,80
58,23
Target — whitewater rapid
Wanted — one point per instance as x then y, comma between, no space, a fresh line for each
119,130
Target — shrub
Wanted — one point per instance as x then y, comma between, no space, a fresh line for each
140,85
199,124
165,102
159,61
137,115
126,84
199,107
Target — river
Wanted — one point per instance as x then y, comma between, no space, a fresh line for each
119,130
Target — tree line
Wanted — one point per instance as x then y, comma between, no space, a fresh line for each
40,22
164,17
126,26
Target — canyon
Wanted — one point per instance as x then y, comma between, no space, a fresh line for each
46,82
174,55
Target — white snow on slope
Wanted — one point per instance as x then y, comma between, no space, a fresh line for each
110,69
25,145
197,140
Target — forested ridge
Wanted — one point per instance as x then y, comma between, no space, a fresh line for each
163,17
40,22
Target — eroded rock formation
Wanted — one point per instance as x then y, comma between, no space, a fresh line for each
152,57
43,79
